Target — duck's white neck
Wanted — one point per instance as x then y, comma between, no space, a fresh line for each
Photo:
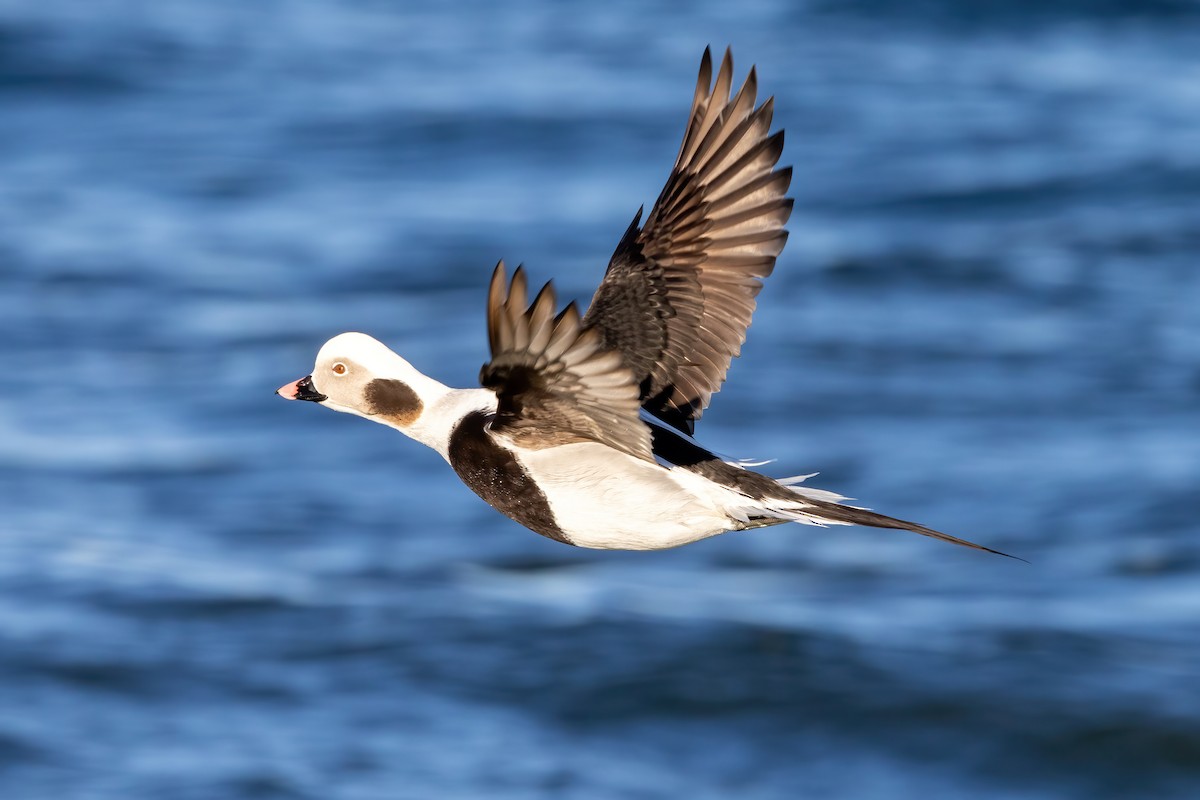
443,408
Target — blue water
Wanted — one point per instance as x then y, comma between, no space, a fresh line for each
986,319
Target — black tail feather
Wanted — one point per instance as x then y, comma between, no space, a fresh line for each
860,516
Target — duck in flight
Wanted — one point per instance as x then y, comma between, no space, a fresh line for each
582,431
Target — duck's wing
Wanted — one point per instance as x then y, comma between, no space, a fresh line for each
679,291
555,380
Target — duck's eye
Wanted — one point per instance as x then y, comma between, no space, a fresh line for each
339,368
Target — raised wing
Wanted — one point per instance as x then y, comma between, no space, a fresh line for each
679,291
555,380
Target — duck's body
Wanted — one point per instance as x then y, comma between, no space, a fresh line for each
585,493
583,430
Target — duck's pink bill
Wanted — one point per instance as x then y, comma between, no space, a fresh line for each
289,391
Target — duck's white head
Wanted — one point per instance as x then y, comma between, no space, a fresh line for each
357,374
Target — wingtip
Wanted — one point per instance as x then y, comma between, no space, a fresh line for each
703,78
495,302
518,293
569,314
545,297
721,91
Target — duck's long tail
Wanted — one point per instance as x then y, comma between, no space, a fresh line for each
790,502
758,500
822,511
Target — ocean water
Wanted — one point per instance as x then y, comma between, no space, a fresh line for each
987,319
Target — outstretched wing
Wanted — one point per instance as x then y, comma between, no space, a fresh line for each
679,291
555,380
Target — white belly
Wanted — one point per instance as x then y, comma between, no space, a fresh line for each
605,499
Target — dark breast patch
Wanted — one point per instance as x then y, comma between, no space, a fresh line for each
494,474
394,400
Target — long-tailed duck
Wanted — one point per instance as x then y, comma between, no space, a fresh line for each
583,430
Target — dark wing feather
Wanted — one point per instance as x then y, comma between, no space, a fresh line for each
555,380
680,291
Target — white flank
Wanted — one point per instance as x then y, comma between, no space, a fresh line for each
605,499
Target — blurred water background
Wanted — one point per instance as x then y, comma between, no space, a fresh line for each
986,319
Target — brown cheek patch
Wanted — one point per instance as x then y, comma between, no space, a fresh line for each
394,400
